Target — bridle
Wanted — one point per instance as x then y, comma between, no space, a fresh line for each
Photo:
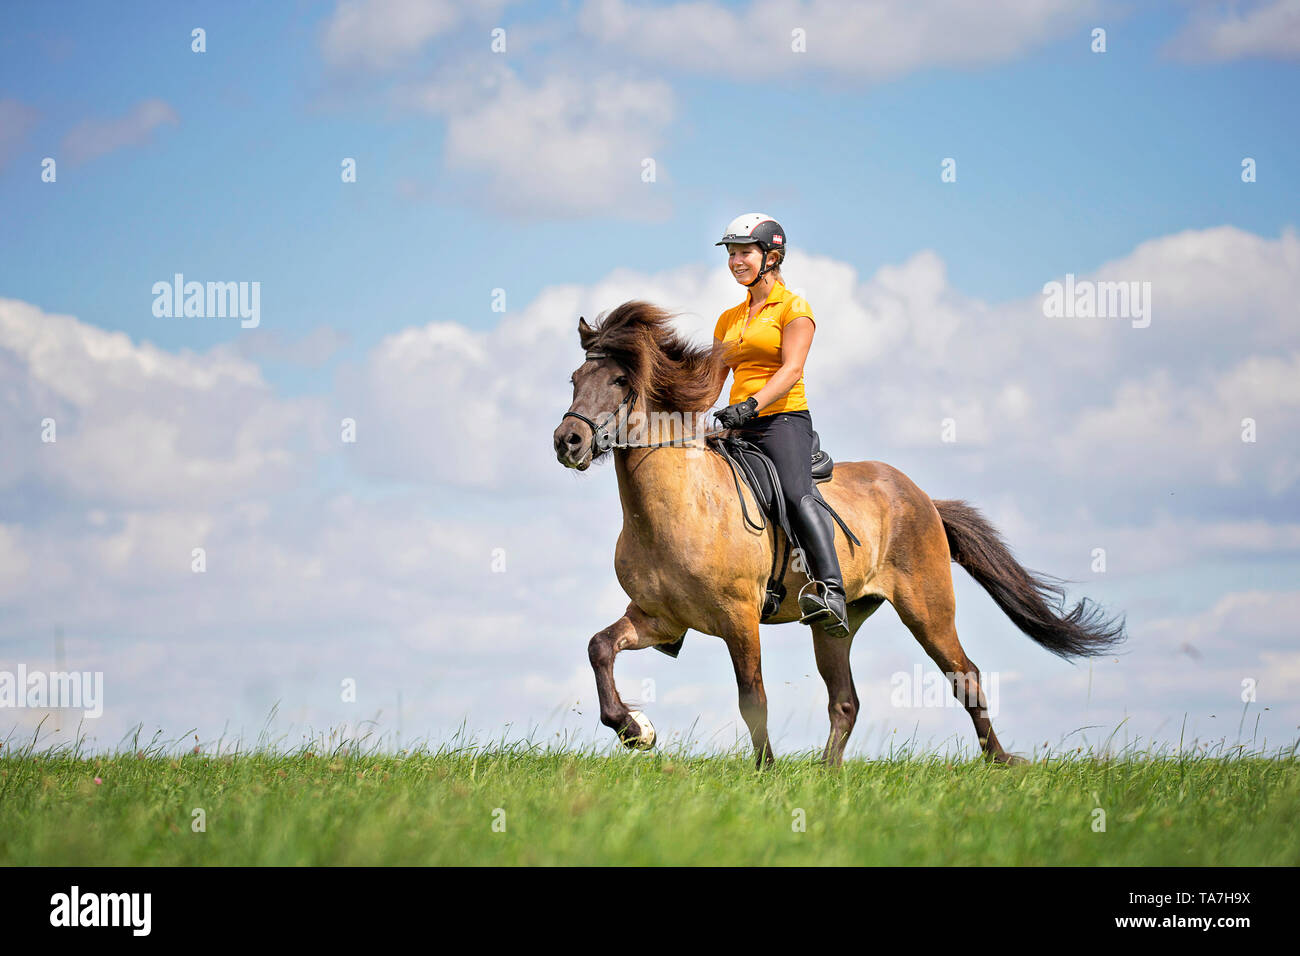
602,441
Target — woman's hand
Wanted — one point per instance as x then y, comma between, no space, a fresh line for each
735,415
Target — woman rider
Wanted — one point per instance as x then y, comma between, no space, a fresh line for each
765,340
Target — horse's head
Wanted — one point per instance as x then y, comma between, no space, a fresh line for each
635,360
602,401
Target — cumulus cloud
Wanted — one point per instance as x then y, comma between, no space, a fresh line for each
91,139
1197,665
871,41
379,34
159,453
382,35
865,41
570,139
312,350
1242,623
447,553
1082,403
1217,33
138,425
1091,408
569,145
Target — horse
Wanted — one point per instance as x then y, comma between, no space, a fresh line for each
688,558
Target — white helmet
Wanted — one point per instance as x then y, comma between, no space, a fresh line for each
757,228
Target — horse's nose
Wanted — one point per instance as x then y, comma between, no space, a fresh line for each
566,439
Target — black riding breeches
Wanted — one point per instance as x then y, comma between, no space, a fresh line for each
786,438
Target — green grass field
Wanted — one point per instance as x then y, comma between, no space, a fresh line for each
524,805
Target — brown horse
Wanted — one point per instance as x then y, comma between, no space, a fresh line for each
688,560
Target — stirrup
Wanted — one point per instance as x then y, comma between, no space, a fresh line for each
835,627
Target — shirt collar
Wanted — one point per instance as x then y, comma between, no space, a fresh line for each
778,291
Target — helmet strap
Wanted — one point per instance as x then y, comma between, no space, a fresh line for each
762,271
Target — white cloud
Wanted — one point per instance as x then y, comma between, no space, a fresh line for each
897,353
1097,409
312,349
91,139
571,145
1215,33
139,425
1240,622
379,34
443,403
161,452
569,140
871,41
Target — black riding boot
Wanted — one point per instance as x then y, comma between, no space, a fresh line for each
823,600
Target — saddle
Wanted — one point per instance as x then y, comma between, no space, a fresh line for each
748,462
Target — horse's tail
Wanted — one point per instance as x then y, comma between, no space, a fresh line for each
1033,602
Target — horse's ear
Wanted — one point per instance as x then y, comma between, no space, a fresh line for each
585,331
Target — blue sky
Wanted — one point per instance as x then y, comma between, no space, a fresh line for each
520,171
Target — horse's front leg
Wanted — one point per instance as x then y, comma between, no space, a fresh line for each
746,657
633,631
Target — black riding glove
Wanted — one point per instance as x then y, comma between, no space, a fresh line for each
735,415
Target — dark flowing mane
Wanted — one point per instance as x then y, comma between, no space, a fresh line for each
669,371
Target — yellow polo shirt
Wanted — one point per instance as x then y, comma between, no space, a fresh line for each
753,347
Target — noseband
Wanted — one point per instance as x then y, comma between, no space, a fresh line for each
601,440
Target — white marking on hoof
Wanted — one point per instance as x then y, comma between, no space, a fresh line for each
646,738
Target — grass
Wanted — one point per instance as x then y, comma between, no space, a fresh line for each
350,806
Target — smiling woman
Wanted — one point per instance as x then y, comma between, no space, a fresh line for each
765,341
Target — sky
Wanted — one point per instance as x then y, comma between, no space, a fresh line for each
936,166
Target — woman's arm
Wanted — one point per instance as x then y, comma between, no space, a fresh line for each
795,342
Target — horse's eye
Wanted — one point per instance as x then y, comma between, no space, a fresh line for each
621,381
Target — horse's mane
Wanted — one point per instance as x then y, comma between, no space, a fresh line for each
669,371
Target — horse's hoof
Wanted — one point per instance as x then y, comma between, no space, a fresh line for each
1011,760
638,733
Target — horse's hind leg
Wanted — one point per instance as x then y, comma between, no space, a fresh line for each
633,631
833,664
932,624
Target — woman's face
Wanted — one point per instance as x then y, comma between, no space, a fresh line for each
744,261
